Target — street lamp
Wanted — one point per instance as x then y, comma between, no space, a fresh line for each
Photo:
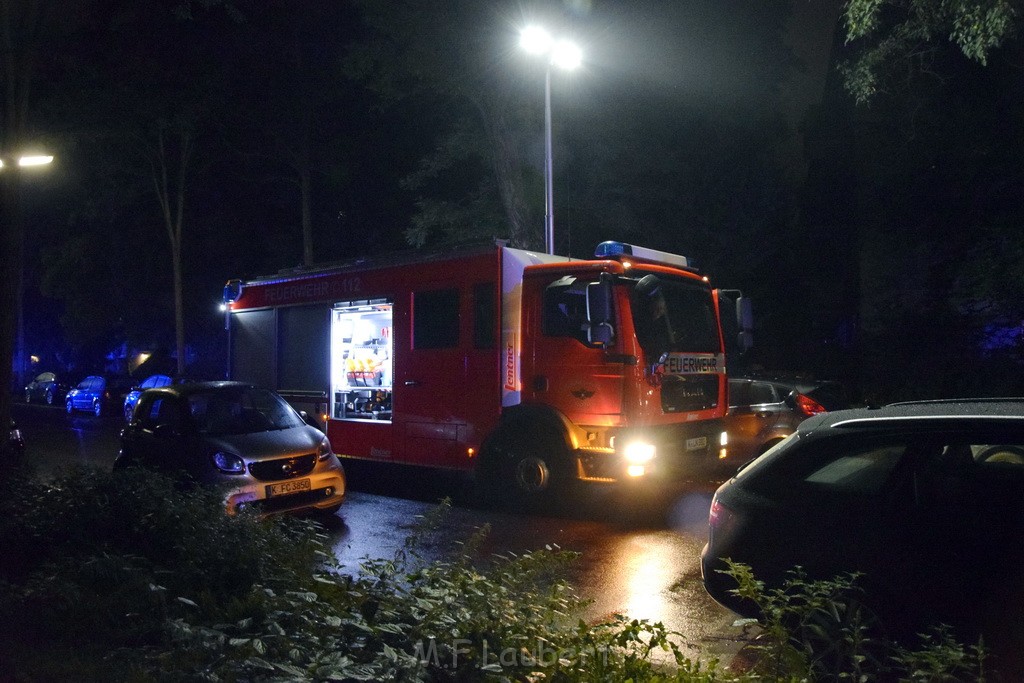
24,161
565,55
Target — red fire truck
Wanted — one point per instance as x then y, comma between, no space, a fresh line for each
530,369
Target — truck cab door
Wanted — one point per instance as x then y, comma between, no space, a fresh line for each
571,363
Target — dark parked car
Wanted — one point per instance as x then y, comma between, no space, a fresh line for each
763,411
131,399
46,388
97,394
925,498
247,439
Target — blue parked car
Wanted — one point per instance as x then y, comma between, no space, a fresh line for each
131,399
46,388
96,394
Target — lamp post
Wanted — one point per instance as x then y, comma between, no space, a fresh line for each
18,280
565,55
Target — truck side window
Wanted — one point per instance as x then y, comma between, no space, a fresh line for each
435,319
565,309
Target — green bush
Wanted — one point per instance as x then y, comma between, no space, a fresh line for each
124,577
823,630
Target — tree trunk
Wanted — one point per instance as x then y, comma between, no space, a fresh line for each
507,165
306,182
174,219
179,306
20,28
305,187
10,285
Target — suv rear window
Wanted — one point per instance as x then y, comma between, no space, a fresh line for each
854,463
866,463
860,470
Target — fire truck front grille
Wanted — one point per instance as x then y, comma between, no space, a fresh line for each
283,468
680,393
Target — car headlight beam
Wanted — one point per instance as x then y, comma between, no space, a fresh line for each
639,453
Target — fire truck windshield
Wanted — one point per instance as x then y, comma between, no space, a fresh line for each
674,315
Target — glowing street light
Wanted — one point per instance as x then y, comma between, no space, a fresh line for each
31,160
564,55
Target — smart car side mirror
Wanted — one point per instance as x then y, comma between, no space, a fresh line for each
311,421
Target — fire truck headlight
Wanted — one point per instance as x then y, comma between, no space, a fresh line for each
639,453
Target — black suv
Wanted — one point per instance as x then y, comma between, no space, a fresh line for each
925,499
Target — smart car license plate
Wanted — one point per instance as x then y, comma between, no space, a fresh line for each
697,444
287,487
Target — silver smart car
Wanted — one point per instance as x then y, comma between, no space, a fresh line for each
244,438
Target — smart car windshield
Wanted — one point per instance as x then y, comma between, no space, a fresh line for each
240,410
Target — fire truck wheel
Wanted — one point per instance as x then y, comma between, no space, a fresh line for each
527,469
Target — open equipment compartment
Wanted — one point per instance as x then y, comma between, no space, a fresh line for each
362,366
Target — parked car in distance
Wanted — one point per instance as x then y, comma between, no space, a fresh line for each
46,388
244,438
97,394
926,499
131,399
763,411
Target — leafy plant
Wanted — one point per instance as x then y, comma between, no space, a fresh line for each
122,576
824,630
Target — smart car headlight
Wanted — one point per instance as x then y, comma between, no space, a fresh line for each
323,451
228,462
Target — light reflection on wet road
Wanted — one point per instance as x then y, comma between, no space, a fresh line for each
646,567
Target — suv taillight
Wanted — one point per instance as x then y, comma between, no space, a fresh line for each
721,520
717,513
808,406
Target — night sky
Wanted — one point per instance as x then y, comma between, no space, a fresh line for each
719,130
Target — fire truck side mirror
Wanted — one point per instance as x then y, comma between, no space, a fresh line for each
745,317
737,320
600,331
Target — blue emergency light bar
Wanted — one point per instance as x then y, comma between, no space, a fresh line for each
611,249
232,291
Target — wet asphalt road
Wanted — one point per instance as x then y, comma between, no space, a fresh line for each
644,564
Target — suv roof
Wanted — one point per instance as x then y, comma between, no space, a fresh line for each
922,414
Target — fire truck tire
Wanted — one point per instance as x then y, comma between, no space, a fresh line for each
526,468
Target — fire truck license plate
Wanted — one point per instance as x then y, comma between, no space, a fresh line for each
697,444
287,487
